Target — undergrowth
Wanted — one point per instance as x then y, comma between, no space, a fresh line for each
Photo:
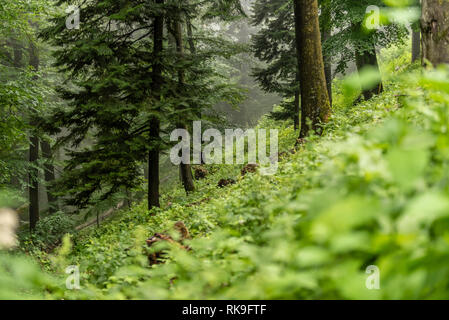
372,191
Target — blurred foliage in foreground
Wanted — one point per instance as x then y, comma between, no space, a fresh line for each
374,190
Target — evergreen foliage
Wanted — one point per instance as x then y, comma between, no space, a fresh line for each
274,44
110,62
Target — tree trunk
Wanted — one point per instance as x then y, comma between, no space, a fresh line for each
17,63
187,178
153,164
190,36
34,155
315,106
49,176
297,103
327,67
192,49
153,154
435,31
416,45
185,169
365,59
33,189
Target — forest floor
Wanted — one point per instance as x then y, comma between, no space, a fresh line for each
366,194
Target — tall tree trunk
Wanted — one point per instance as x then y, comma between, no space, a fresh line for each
34,155
326,33
365,59
153,154
416,45
416,36
17,61
185,169
435,31
33,189
190,36
315,105
327,67
297,103
192,49
49,174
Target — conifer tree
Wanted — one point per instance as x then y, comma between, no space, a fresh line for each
155,121
121,91
275,45
185,169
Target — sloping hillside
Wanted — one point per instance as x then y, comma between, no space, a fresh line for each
371,194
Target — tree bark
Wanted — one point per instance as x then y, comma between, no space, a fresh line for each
153,154
365,59
435,31
315,105
33,175
49,173
416,45
185,169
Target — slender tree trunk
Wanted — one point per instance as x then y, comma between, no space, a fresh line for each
435,31
328,68
17,60
185,169
34,155
297,103
190,36
315,106
49,174
416,37
187,178
153,154
192,49
33,189
365,59
416,45
326,33
153,164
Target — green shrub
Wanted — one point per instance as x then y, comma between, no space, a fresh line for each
48,233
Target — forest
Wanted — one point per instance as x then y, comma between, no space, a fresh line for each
224,150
